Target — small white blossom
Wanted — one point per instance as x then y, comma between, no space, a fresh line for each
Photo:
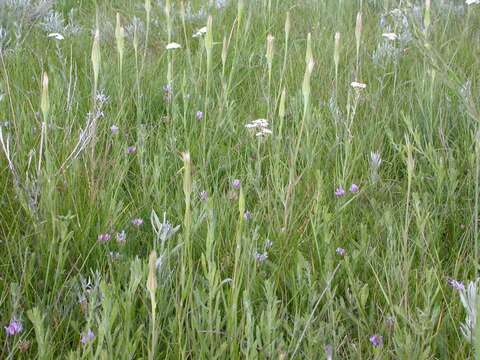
390,36
56,36
173,46
358,85
200,32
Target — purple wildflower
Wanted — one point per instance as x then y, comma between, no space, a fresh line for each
104,237
354,188
376,340
261,257
236,184
457,285
137,222
167,92
121,237
341,251
199,115
87,337
203,195
14,327
131,149
114,129
340,191
247,215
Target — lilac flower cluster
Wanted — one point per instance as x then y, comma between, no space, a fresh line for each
340,191
14,327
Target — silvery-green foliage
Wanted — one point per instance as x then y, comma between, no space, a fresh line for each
54,22
164,230
397,22
468,297
88,291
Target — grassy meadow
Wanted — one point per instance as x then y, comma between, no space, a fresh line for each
239,179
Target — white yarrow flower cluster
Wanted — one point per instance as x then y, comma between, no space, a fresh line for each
260,126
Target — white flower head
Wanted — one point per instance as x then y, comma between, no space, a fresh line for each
390,36
200,32
358,85
472,2
56,36
173,46
263,133
261,125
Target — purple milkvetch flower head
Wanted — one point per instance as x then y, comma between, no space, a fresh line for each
341,251
137,222
114,129
121,237
131,149
203,195
236,183
87,337
14,327
457,285
247,215
167,92
354,188
340,191
199,115
261,257
104,237
376,340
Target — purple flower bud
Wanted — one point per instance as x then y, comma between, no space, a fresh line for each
167,93
87,337
203,195
131,149
376,340
114,129
121,237
104,237
340,191
261,257
14,327
236,184
137,222
457,285
199,115
247,215
354,188
341,251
